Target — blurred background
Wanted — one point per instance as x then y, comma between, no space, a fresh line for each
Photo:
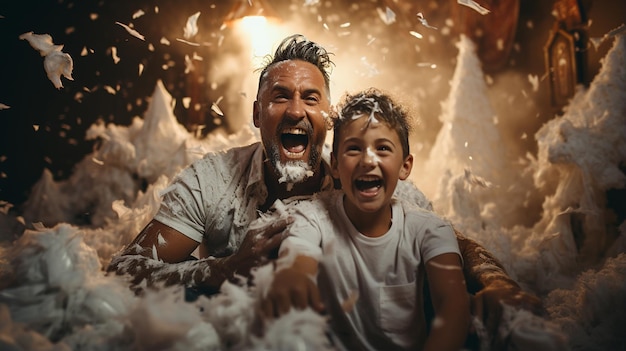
212,77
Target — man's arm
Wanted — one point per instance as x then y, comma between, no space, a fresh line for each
451,303
487,279
161,254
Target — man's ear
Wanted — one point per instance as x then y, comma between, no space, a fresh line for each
334,171
256,114
405,171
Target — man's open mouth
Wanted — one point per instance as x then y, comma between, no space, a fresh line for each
294,141
368,184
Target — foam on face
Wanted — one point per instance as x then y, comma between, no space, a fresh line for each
371,154
293,172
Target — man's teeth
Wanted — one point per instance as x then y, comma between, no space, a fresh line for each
294,154
297,131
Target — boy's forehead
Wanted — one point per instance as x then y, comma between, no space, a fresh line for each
370,119
360,123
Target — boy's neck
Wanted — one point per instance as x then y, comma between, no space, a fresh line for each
370,224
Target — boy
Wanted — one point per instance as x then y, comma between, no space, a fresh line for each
371,249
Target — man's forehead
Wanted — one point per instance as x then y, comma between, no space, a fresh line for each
293,69
287,65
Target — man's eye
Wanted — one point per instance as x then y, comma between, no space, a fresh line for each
280,97
312,100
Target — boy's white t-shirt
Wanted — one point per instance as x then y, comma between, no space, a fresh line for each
385,272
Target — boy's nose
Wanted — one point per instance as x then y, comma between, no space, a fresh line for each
369,158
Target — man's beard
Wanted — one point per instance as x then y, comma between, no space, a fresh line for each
292,172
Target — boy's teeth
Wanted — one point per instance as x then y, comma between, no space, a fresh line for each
368,183
367,178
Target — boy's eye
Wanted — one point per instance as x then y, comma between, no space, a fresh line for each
352,149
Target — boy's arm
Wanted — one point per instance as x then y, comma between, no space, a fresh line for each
487,279
160,254
485,276
451,303
293,286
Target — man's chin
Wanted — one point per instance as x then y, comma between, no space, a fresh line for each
287,157
293,171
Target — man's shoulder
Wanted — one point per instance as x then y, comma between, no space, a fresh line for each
237,151
224,164
235,156
408,192
415,214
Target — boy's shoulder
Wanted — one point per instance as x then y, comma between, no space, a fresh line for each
313,204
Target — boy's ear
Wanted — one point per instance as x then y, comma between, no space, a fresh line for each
256,114
407,165
334,171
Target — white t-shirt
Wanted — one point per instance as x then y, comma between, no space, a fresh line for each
215,198
385,271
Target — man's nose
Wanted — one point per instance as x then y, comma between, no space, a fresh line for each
296,109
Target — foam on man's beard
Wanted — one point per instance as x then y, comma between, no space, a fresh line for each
293,172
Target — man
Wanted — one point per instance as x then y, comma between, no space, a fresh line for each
211,203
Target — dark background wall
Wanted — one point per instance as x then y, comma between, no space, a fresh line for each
63,115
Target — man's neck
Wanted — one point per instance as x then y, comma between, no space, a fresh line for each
276,190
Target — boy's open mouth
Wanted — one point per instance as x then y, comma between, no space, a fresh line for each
368,184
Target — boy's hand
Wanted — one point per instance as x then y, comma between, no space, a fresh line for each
291,288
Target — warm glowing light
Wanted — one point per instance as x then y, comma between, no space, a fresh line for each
251,21
262,34
248,8
256,27
258,22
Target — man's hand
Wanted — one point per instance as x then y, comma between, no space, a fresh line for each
491,285
293,287
487,303
259,246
